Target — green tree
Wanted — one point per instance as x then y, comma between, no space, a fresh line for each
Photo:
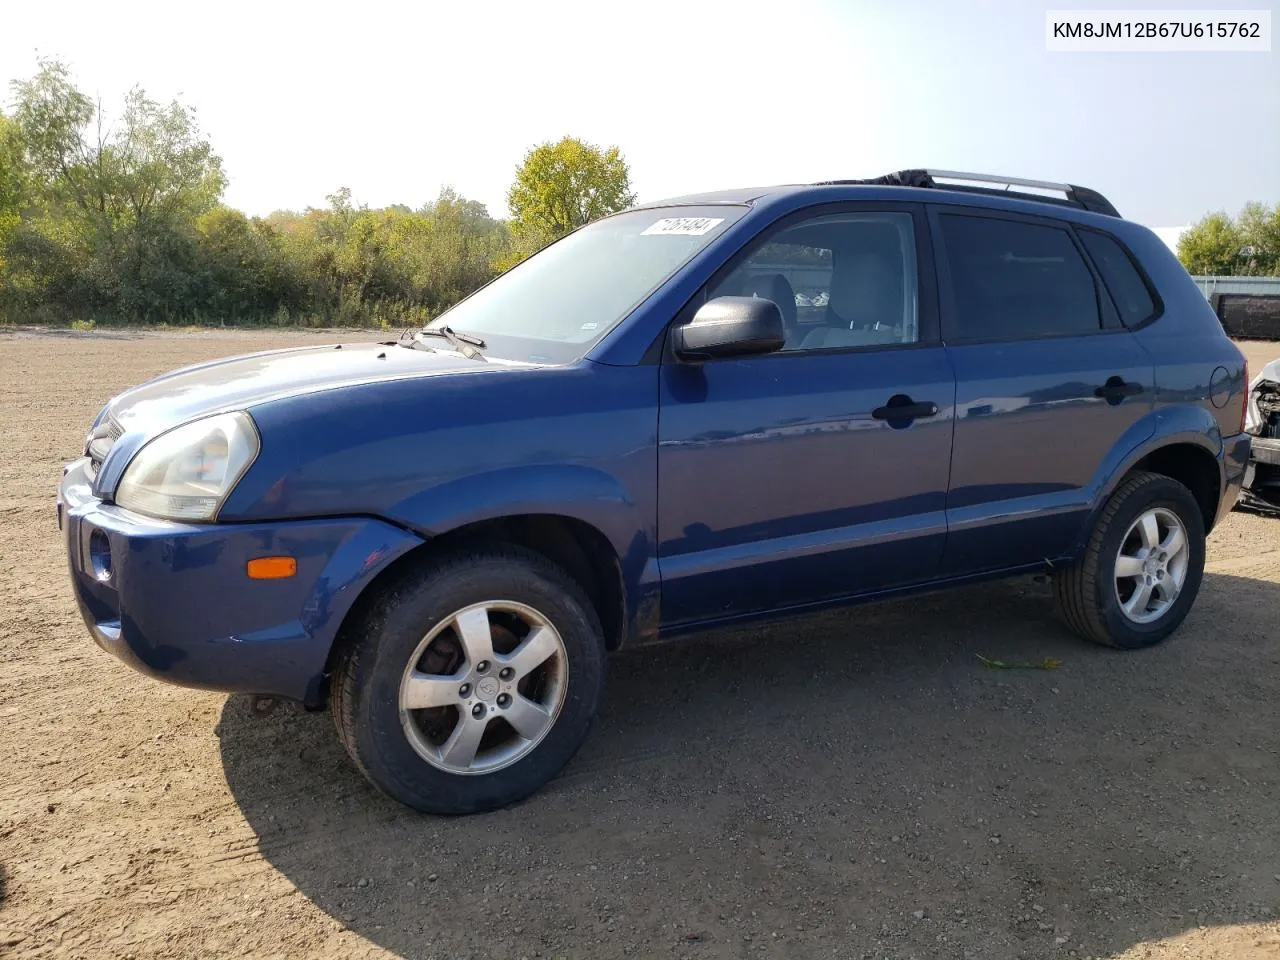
244,271
122,221
391,266
15,182
52,118
1211,247
1259,227
159,165
117,203
15,174
153,164
562,186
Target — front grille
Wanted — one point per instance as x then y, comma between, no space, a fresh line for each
99,443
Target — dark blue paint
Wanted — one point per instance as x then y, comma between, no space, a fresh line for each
773,489
240,383
731,491
179,605
1029,435
426,453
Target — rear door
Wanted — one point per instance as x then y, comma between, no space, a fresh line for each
787,479
1048,384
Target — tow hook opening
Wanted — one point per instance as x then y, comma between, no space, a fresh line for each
100,556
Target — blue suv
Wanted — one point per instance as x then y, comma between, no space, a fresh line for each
697,412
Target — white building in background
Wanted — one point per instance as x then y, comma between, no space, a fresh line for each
1170,235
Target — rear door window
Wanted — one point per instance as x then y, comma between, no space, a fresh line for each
1014,280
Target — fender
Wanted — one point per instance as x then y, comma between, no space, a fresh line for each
1163,427
575,491
581,492
357,562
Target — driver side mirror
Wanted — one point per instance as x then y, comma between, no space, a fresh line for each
730,327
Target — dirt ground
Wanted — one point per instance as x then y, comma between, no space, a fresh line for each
852,785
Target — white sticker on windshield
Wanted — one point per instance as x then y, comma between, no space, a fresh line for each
682,226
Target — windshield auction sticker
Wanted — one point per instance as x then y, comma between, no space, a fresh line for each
682,226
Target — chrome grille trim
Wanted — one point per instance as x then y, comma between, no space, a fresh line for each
99,443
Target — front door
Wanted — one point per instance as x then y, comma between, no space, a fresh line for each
818,472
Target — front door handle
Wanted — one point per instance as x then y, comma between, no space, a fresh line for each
901,410
1116,389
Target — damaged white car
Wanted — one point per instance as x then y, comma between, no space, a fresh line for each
1262,420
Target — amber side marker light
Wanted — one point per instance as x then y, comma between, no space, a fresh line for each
271,568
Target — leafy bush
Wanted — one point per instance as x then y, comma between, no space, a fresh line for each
126,226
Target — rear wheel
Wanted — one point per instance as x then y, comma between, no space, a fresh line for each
470,684
1141,570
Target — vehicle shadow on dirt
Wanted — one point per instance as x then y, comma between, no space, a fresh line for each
856,780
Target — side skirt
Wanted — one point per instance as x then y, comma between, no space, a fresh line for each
675,630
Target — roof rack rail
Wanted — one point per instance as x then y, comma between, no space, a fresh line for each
1071,194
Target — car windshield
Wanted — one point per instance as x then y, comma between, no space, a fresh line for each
552,307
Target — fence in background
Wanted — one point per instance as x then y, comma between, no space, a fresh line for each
1239,286
1248,307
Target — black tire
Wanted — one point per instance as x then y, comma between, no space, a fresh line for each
366,681
1085,592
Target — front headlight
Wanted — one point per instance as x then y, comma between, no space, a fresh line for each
185,474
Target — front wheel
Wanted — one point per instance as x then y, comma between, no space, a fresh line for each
1141,570
471,683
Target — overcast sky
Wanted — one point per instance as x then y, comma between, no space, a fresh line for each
395,100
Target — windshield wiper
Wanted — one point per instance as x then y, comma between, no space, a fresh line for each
464,343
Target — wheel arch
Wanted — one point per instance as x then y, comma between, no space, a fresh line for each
574,545
1190,453
1194,467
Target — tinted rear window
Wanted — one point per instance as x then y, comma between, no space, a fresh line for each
1132,297
1017,281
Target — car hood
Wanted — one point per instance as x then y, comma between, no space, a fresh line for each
1270,371
234,383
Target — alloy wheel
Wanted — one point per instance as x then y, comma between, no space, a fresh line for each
484,687
1151,566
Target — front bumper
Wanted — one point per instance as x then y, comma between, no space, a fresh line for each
173,600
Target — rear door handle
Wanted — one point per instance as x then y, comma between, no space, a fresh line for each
901,408
1116,389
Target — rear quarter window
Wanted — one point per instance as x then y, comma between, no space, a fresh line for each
1128,290
1012,280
